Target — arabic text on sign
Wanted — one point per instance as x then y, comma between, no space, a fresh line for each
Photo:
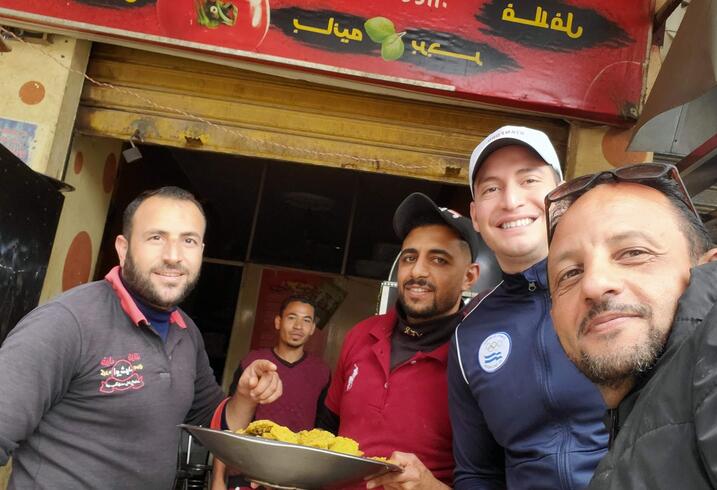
541,20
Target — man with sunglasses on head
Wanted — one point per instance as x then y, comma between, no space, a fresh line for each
522,414
633,276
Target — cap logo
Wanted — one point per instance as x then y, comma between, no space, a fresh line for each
453,214
503,134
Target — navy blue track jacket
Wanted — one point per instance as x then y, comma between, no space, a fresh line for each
523,416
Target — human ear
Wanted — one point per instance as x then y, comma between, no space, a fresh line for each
709,256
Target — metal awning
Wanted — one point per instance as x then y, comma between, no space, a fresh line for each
680,116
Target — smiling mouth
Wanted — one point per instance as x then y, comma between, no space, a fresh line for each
169,274
518,223
607,322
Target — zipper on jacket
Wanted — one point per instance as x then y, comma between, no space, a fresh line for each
614,426
561,460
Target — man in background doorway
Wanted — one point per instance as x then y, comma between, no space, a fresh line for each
305,377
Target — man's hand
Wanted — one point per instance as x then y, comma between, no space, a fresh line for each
259,384
415,475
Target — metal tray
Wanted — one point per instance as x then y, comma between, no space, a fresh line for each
285,465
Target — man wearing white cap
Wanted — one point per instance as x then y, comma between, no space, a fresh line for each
522,415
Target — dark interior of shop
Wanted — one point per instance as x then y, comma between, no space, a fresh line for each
273,213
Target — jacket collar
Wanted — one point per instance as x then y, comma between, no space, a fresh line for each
537,275
128,304
697,300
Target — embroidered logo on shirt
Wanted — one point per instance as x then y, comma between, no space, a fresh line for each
354,373
121,375
494,351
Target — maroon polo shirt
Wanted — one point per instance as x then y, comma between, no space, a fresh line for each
401,410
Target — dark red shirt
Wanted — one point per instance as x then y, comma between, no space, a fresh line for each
401,410
303,381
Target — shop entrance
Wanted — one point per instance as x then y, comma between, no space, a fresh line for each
274,225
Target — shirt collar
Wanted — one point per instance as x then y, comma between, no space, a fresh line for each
128,304
382,333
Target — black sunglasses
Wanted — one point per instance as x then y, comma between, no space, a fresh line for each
559,199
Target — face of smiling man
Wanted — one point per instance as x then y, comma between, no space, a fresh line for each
618,264
508,209
161,258
433,269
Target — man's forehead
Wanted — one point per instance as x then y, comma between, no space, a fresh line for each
428,236
299,305
156,208
162,214
610,211
512,159
616,197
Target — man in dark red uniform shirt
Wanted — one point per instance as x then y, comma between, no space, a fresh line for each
305,377
389,390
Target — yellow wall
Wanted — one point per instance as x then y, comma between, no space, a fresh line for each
595,148
91,170
39,91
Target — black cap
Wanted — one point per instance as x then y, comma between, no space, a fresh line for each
419,205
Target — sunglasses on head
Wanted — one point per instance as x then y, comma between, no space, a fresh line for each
559,199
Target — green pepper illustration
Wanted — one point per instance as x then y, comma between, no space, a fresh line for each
392,47
381,30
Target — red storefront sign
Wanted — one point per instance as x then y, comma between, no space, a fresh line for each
581,58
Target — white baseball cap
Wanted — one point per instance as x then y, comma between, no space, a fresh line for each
513,135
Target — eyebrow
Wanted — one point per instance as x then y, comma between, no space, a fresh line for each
434,251
612,240
522,171
158,231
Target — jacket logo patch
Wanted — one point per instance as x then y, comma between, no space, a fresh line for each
352,378
494,351
122,374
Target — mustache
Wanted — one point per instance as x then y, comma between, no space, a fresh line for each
171,268
642,311
423,283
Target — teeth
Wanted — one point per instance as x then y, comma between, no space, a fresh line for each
517,223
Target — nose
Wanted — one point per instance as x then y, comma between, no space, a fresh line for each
172,252
419,269
600,281
512,197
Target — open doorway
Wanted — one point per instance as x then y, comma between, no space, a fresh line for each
274,214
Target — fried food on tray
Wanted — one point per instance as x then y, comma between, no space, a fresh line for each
317,438
258,428
345,445
270,430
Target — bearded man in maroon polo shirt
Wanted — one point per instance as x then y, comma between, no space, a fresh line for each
389,391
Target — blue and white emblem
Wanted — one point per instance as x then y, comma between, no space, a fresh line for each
494,351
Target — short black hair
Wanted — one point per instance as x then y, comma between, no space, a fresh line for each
298,298
691,225
168,192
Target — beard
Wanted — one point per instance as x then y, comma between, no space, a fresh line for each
438,307
621,363
141,284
